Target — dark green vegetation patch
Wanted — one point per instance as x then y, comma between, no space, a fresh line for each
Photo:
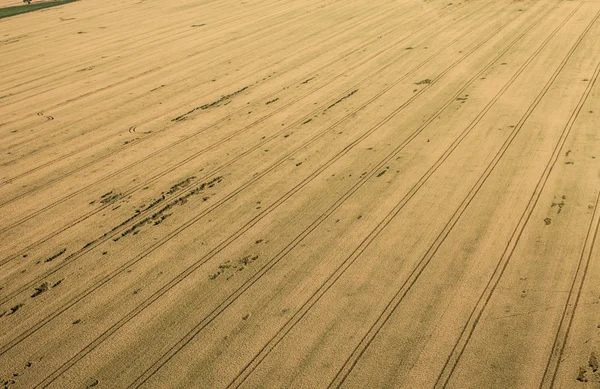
20,9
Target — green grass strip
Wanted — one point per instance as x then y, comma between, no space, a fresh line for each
20,9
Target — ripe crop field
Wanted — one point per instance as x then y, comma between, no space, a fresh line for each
300,194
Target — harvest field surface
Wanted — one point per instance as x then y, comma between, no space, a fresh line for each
300,194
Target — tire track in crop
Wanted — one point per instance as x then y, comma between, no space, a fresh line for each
562,334
105,237
157,116
19,61
150,71
58,129
224,244
384,316
170,36
224,119
494,279
257,218
15,68
218,34
189,56
88,247
407,285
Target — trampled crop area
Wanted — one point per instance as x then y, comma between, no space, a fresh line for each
300,194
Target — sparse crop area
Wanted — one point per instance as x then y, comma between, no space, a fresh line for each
300,194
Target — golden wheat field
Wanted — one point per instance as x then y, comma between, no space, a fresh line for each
300,194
